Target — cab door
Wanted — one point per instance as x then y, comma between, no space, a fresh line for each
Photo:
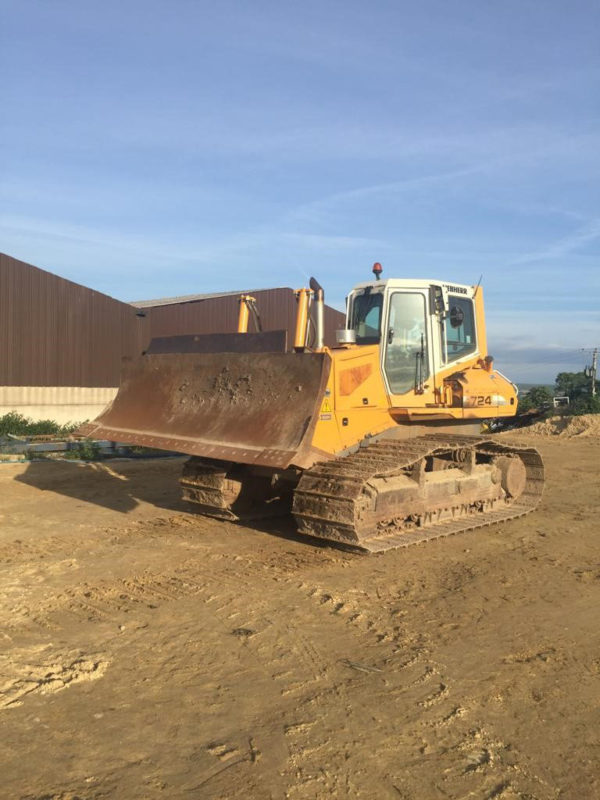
407,360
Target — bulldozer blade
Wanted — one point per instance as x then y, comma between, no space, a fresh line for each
250,408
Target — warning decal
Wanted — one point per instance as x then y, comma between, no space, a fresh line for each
326,406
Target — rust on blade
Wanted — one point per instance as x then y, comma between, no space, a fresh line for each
251,408
263,342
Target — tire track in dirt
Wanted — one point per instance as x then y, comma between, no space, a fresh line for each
362,642
64,795
19,550
484,769
318,735
443,720
111,598
28,671
179,527
307,677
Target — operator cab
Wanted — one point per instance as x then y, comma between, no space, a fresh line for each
422,327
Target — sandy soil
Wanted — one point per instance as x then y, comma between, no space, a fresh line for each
149,653
566,426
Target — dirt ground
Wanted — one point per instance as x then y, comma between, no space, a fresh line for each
149,653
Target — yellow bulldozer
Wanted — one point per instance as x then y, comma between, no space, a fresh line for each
374,442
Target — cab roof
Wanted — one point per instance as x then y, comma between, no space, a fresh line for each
416,283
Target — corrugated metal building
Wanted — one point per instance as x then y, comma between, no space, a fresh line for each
61,343
218,313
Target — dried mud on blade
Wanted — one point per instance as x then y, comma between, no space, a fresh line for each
251,408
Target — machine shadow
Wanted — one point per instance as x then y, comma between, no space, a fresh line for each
116,485
284,527
122,485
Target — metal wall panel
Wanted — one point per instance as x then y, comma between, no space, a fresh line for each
277,308
54,332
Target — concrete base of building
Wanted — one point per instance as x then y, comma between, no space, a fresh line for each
62,404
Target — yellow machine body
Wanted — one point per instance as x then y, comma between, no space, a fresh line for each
359,400
413,356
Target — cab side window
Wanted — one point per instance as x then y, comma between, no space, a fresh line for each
459,328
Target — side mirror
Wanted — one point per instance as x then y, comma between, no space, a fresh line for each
438,300
457,317
390,336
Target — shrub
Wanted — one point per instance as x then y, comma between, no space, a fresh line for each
19,425
585,405
85,450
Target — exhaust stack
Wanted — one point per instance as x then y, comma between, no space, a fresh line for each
320,301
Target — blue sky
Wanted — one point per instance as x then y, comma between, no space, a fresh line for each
154,148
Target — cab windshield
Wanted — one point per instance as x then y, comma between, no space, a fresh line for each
365,317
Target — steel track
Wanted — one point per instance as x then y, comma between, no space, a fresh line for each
328,501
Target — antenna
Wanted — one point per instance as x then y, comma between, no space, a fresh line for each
478,285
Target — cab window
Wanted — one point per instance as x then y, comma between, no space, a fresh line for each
459,328
366,317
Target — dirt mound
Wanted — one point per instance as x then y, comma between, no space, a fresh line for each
584,425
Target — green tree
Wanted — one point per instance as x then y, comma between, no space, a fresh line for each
585,404
572,384
577,386
538,397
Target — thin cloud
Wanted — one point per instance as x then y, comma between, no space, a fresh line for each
579,238
497,159
313,210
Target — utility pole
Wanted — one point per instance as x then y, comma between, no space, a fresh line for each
592,372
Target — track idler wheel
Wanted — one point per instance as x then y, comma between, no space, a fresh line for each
513,475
